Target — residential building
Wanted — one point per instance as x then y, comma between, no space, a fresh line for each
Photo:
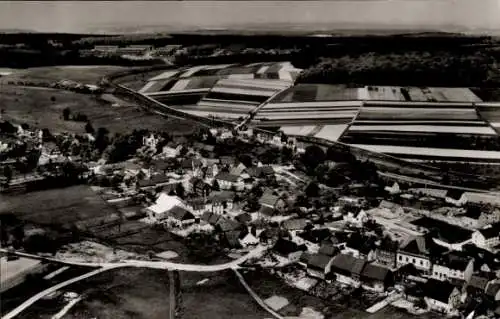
418,252
376,278
441,296
493,291
273,201
347,269
295,224
162,205
248,240
478,283
220,202
196,205
486,237
453,266
288,250
227,181
385,253
318,265
180,216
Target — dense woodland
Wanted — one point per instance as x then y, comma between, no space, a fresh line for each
427,59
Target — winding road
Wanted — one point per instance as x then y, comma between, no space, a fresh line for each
102,267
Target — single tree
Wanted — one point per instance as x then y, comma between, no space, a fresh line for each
312,190
7,172
215,185
179,190
66,113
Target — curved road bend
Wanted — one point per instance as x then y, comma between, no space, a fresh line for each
127,263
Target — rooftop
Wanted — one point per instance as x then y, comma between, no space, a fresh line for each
438,290
445,232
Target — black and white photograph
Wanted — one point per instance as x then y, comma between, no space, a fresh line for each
250,159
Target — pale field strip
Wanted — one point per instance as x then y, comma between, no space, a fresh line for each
165,75
180,85
434,122
271,84
216,114
439,152
332,132
332,104
148,85
306,115
298,130
484,130
243,91
174,93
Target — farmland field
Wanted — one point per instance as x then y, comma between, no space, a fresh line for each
316,93
123,293
82,74
222,297
62,207
36,107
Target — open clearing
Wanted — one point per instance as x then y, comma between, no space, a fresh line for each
80,73
55,206
221,297
123,293
35,107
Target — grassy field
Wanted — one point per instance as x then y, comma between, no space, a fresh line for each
35,107
137,81
84,74
221,297
123,293
55,206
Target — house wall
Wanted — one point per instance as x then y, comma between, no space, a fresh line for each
386,258
437,305
478,239
374,286
351,251
347,280
316,273
295,256
421,263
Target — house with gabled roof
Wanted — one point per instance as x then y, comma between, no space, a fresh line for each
227,181
318,265
486,237
180,216
288,250
441,296
376,278
419,251
453,265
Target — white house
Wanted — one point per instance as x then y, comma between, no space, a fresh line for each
486,237
249,240
415,252
163,204
227,181
394,189
453,266
441,296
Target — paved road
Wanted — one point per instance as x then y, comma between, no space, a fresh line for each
53,289
126,263
256,297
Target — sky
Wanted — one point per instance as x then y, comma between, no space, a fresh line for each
85,16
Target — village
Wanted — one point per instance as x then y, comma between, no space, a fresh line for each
417,248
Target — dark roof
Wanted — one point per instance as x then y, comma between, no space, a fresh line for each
446,232
295,224
357,266
345,262
226,160
206,216
260,171
492,289
489,232
266,210
244,218
225,176
162,164
196,201
478,282
454,194
233,238
316,235
327,249
285,247
318,261
424,246
454,261
363,244
214,218
222,196
180,213
438,290
268,199
375,272
190,162
227,224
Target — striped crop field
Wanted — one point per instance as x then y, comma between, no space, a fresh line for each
452,132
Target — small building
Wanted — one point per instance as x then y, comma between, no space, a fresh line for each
162,205
318,265
456,197
418,252
385,253
295,224
196,205
347,269
220,201
180,216
376,278
453,266
288,250
273,201
441,296
486,237
228,181
493,291
248,240
478,283
244,218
